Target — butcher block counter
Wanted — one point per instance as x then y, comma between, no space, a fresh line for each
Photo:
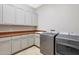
17,33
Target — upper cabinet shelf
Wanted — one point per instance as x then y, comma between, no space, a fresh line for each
14,15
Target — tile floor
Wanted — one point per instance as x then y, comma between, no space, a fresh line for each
31,51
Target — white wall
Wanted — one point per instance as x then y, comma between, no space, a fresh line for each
64,18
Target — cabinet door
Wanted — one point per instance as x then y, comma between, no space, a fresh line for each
0,14
16,44
20,20
34,19
37,40
28,18
5,46
8,14
30,39
24,42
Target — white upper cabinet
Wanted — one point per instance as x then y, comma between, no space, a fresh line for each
24,7
13,14
28,18
31,18
8,14
20,20
0,14
34,19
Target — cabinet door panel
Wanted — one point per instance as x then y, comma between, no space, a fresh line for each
28,18
24,43
16,45
8,14
5,46
27,41
34,19
20,17
30,40
37,40
0,14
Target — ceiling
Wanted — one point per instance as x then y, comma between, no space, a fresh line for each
35,5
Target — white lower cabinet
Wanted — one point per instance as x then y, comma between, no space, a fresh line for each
5,46
30,39
10,45
37,40
24,43
16,44
27,41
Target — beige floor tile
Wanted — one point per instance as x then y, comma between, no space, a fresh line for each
31,51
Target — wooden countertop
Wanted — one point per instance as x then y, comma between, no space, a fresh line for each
17,33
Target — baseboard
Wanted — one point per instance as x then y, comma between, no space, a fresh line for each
22,50
25,49
36,46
